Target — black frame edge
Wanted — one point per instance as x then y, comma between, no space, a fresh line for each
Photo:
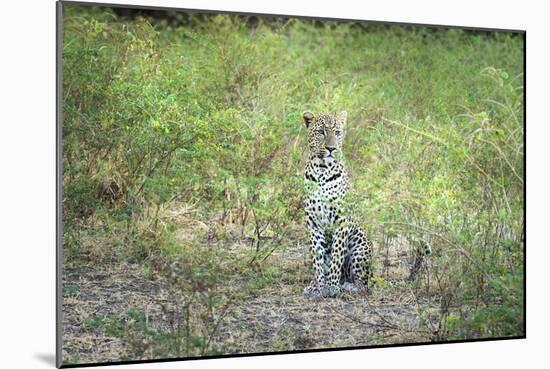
525,184
310,17
59,183
313,351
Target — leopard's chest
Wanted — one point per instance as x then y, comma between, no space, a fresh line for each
326,188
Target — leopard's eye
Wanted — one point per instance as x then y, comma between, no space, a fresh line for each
338,132
320,132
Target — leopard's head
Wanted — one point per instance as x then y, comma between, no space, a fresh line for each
325,134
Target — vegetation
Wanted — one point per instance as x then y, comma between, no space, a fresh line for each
183,147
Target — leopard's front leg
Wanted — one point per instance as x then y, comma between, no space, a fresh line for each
318,254
337,259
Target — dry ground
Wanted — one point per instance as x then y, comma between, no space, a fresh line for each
277,318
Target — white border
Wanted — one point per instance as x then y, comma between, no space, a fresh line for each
27,184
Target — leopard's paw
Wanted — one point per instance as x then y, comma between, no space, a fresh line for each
330,291
353,287
312,290
350,287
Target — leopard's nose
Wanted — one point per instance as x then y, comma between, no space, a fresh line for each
331,149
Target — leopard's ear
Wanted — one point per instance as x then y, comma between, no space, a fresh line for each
343,117
308,118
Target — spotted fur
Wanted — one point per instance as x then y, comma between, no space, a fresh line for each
340,252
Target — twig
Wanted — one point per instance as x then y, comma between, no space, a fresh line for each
216,326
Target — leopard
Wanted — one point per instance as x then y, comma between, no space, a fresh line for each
340,252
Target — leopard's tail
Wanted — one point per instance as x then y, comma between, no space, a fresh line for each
420,256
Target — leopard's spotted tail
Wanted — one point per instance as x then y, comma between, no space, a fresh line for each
421,254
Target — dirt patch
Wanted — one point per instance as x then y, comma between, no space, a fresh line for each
277,318
91,294
283,323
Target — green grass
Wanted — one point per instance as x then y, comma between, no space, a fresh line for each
70,290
